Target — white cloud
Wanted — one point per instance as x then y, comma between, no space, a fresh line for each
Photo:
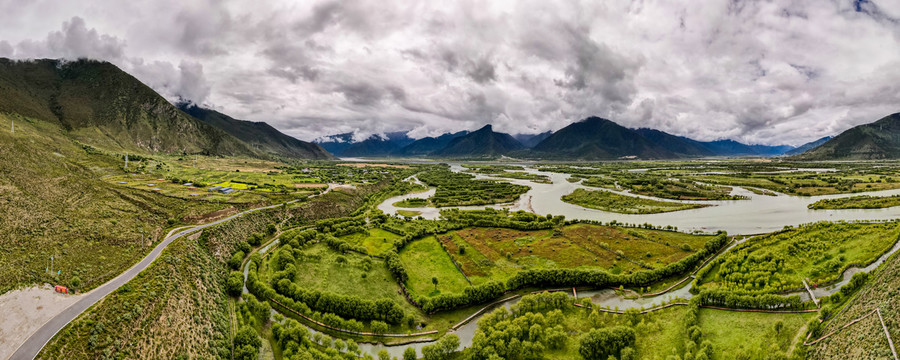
783,71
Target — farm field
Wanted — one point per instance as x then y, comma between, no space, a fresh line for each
486,254
624,204
818,252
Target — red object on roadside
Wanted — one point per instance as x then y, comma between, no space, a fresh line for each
61,289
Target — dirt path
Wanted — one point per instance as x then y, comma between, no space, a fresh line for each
26,310
796,338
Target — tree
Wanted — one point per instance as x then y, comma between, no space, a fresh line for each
442,349
75,282
235,283
379,327
434,281
409,354
384,355
246,343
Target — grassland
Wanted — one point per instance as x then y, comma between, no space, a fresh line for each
803,179
424,259
408,213
743,335
375,240
623,204
412,203
318,268
54,203
486,254
175,308
857,202
818,252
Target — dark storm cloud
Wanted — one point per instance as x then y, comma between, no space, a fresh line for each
760,72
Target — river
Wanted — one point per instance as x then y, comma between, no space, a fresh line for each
759,214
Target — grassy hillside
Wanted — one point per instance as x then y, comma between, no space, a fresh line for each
259,134
878,140
176,308
99,104
54,203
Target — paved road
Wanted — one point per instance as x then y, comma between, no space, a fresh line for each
30,348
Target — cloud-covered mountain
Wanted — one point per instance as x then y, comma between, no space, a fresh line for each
374,145
429,145
595,138
483,142
592,138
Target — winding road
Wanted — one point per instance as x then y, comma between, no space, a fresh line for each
33,345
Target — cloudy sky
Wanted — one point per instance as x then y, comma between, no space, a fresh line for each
767,72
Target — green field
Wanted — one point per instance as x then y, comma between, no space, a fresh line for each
408,213
623,204
318,268
376,241
424,259
497,254
412,203
818,252
747,335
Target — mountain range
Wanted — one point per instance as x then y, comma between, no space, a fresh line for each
96,103
593,138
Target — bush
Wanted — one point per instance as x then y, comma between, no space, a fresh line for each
235,283
601,343
236,259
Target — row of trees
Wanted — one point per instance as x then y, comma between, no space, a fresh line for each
725,298
346,306
470,296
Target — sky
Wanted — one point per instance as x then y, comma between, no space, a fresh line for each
761,72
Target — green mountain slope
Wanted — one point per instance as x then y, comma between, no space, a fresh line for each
597,139
54,203
483,142
878,140
258,134
808,146
99,104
